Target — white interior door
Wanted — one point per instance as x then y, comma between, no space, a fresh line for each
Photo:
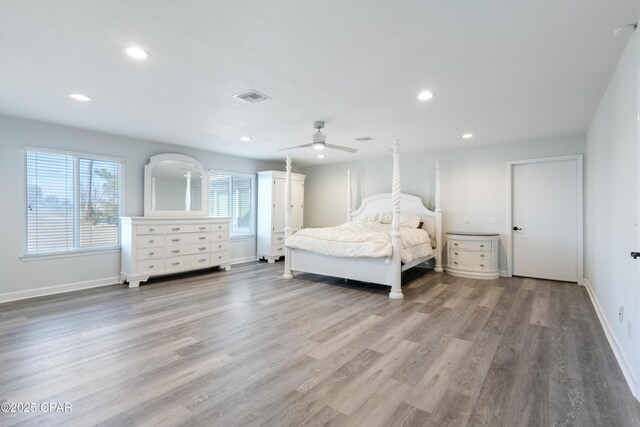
547,219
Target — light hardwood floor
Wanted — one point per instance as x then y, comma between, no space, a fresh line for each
247,347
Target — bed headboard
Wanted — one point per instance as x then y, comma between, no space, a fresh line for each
380,203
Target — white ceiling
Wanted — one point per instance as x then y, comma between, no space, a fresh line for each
505,70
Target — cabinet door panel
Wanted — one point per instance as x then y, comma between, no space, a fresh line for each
278,205
297,202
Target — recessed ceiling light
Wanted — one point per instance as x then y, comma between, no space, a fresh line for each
321,156
79,97
136,52
425,95
467,135
245,138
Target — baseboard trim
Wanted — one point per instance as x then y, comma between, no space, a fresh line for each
58,289
613,342
504,273
242,260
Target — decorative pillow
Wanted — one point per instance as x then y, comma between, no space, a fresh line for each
368,218
406,220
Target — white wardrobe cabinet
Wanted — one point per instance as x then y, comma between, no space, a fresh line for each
271,186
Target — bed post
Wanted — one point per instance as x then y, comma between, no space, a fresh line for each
396,278
349,204
287,221
438,228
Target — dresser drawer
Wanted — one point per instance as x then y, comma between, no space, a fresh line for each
187,262
186,238
150,229
150,266
220,227
188,249
150,253
219,236
277,249
188,228
150,241
219,246
278,238
218,258
470,246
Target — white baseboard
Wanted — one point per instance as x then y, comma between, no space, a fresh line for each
504,273
613,342
58,289
242,260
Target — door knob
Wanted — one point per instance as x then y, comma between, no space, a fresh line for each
516,228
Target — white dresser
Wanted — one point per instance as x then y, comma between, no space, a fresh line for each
271,185
473,255
155,246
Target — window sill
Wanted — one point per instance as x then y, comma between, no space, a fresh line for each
69,254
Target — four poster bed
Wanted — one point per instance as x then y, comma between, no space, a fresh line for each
381,239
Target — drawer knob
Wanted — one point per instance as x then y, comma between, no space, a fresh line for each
219,246
175,240
219,227
202,248
481,265
202,260
482,246
175,252
175,263
151,241
455,262
152,229
202,238
220,257
151,266
203,228
175,229
279,249
481,255
456,253
151,253
455,244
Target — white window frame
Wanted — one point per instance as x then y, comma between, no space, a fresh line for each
77,250
254,201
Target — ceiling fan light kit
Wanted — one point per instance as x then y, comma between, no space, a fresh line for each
319,141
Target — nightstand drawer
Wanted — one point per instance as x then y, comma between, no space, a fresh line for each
470,255
470,246
470,264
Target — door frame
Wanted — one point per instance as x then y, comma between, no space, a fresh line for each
579,208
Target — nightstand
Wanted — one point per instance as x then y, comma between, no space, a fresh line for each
473,255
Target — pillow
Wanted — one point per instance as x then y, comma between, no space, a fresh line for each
406,220
368,218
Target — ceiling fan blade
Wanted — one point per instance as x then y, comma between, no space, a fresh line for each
297,146
341,148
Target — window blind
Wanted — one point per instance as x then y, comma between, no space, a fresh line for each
98,203
72,202
231,195
50,201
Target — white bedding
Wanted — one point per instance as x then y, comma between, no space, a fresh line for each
357,239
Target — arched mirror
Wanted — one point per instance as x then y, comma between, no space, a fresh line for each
175,185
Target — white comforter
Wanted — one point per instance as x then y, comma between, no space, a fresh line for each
354,239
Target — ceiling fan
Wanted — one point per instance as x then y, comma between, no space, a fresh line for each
319,141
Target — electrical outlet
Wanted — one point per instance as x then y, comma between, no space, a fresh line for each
493,220
621,313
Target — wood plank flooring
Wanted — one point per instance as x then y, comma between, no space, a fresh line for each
248,348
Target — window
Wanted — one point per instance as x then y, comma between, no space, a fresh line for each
231,195
73,202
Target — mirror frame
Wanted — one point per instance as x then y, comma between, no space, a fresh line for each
148,168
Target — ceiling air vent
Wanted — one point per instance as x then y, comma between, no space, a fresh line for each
251,96
364,138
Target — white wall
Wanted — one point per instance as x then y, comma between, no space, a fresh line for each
27,278
611,210
473,182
